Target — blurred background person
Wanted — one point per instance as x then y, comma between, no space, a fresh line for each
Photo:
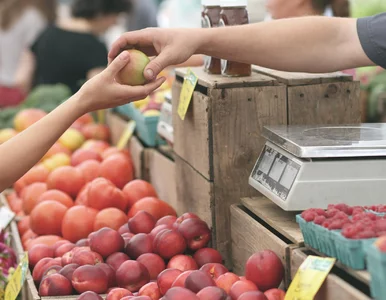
21,21
143,15
280,9
70,51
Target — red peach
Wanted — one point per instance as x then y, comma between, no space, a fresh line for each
106,241
116,259
67,257
275,294
153,263
225,281
180,280
207,255
68,270
139,244
89,296
214,270
124,229
110,273
167,220
132,275
197,280
253,295
241,287
183,217
169,243
127,237
196,232
151,290
90,278
182,263
60,243
142,222
213,293
178,293
55,285
86,258
166,278
41,267
118,293
38,252
83,243
158,229
60,251
52,270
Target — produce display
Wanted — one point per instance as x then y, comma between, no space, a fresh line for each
8,261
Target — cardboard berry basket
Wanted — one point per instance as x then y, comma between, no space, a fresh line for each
376,265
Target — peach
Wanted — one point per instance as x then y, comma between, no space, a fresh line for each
197,280
180,280
55,285
142,222
127,237
136,190
63,249
90,278
68,270
118,169
264,269
82,155
183,263
225,281
213,293
106,241
57,195
157,229
183,217
83,242
178,293
196,232
89,296
60,243
116,259
86,258
52,270
110,217
253,295
241,287
166,278
110,273
41,267
66,179
167,220
43,223
139,244
380,243
169,243
133,73
153,263
105,194
89,169
98,146
30,195
124,229
38,252
118,294
151,290
207,255
275,294
26,117
214,270
67,257
96,132
132,275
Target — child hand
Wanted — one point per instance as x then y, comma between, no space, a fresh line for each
103,91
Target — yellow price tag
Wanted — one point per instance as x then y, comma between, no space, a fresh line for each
127,134
17,279
101,116
190,82
309,278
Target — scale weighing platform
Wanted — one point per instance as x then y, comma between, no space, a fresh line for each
304,167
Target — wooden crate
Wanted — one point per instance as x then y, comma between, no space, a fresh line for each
332,98
335,287
271,228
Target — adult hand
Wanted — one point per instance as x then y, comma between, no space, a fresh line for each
169,46
103,91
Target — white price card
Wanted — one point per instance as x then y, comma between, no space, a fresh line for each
267,162
6,216
277,169
288,177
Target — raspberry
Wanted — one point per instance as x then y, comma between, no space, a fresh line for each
357,210
326,223
309,216
331,212
319,220
320,212
381,233
380,225
349,231
367,234
340,215
336,224
381,208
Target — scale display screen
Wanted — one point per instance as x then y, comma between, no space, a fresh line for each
276,172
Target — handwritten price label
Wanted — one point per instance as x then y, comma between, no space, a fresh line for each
127,134
6,216
17,279
309,278
190,82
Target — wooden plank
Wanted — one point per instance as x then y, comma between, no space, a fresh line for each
238,118
137,151
221,82
249,236
333,288
296,78
163,177
282,221
336,103
192,136
194,192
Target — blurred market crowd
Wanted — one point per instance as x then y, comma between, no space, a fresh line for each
48,48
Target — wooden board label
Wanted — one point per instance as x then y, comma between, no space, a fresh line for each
190,82
17,279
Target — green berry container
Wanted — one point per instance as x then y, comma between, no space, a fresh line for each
376,265
307,231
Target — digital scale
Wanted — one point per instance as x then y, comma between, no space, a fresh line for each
165,124
303,167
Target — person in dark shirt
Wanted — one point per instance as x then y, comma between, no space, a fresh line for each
70,52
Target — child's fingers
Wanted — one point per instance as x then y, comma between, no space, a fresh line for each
141,91
117,64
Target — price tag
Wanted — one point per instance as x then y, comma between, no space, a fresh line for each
127,134
17,279
190,82
6,217
101,116
309,278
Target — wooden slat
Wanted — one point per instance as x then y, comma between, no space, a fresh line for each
239,115
334,103
249,236
296,78
333,288
221,82
282,221
137,151
191,136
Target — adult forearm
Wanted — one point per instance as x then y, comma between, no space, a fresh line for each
22,152
308,44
